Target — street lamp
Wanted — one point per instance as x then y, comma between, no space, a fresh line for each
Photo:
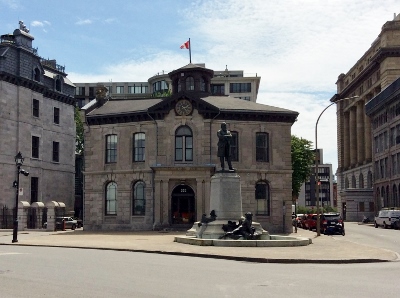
19,160
317,161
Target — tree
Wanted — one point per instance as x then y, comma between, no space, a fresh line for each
302,159
79,132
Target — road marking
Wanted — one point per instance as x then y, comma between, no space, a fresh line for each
11,253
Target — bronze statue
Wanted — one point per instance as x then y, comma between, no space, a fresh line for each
245,229
204,221
224,146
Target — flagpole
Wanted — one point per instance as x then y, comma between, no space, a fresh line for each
190,51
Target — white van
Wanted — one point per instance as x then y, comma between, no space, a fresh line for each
386,218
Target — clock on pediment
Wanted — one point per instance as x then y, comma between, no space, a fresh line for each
183,107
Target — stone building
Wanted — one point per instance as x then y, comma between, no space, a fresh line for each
384,112
149,162
307,197
374,71
37,119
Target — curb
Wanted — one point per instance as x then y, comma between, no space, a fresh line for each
220,257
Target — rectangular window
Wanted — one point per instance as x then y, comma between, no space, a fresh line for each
111,148
120,89
131,89
56,117
34,189
240,87
80,91
56,151
218,89
35,108
91,92
139,146
109,88
234,146
371,206
35,147
361,207
262,147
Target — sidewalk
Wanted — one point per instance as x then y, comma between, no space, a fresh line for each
324,249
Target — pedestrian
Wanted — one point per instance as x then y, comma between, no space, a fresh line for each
294,223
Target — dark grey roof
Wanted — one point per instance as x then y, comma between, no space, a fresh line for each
115,107
227,103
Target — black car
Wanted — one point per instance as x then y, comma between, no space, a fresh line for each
332,223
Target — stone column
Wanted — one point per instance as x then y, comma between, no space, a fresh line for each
157,203
367,137
353,136
360,132
346,140
166,204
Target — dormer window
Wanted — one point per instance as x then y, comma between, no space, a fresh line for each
58,85
202,84
189,84
36,74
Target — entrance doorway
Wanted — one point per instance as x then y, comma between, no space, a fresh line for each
183,205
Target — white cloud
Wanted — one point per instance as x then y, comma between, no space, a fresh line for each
37,24
84,22
298,47
13,4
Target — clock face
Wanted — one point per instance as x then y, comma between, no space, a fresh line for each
183,107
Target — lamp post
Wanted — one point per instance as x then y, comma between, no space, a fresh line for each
19,160
317,161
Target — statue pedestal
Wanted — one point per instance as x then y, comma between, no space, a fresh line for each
225,196
226,201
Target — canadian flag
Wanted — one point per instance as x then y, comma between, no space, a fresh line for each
185,45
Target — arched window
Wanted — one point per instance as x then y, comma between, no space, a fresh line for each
183,144
369,179
383,196
262,196
111,198
189,84
353,181
361,181
36,74
58,85
203,85
395,197
139,200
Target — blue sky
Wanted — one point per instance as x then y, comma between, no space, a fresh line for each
298,47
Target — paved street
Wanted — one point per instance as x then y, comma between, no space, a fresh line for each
31,271
324,249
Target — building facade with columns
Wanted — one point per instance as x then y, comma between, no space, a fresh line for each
37,119
384,112
149,162
374,71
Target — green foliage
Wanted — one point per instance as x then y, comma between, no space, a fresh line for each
79,142
166,93
305,210
302,159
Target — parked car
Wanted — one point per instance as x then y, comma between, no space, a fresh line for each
386,218
69,222
310,222
396,224
332,223
79,222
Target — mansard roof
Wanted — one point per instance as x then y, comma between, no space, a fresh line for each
210,107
